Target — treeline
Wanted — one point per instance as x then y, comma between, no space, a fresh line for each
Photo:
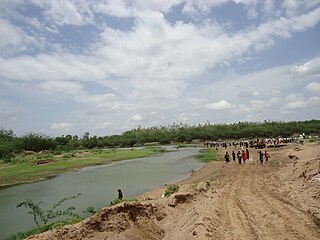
11,144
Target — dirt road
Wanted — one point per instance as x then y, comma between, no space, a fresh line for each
279,200
252,211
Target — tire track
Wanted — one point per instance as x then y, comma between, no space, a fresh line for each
266,222
298,225
240,226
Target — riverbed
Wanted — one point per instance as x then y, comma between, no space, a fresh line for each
98,186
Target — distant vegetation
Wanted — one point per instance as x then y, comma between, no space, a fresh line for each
176,133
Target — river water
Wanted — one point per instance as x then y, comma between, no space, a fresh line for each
98,186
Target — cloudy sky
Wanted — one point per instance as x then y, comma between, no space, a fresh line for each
70,66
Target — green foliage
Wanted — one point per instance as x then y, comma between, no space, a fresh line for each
117,201
7,149
7,145
207,155
44,228
36,142
181,145
90,210
171,189
180,133
35,210
42,216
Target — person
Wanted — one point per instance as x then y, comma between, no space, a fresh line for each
233,156
120,194
239,157
247,152
244,156
266,156
227,157
261,156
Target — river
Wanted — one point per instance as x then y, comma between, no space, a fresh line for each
98,186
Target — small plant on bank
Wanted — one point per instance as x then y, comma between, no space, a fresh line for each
181,146
171,189
90,210
44,219
42,216
117,201
208,155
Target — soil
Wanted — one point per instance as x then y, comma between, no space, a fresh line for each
278,200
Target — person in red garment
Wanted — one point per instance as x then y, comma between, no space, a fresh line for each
244,156
266,156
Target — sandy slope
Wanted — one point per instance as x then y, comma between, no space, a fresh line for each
221,201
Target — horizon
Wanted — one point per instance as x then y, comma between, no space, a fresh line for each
106,67
169,126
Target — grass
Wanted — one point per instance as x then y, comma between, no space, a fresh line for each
24,168
208,155
44,228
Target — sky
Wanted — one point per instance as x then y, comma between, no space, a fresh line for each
107,66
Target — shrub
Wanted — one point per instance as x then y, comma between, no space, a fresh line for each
117,201
36,142
43,218
7,149
171,189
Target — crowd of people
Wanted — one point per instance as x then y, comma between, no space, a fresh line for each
259,142
245,155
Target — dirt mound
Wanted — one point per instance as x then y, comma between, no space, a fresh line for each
300,180
124,221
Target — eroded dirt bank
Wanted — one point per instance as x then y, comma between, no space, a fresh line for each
280,200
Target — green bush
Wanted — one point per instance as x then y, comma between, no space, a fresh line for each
207,155
36,142
117,201
171,189
7,149
44,219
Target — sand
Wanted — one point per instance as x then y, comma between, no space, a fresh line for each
278,200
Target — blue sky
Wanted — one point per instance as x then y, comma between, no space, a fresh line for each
71,66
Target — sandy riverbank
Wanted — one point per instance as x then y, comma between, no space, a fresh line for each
280,200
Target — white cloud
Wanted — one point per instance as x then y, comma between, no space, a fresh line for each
269,6
136,118
310,67
62,126
195,101
103,125
293,7
300,102
13,39
313,87
118,8
185,117
164,70
10,34
66,12
294,97
221,105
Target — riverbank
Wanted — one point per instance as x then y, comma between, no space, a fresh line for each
278,200
31,167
